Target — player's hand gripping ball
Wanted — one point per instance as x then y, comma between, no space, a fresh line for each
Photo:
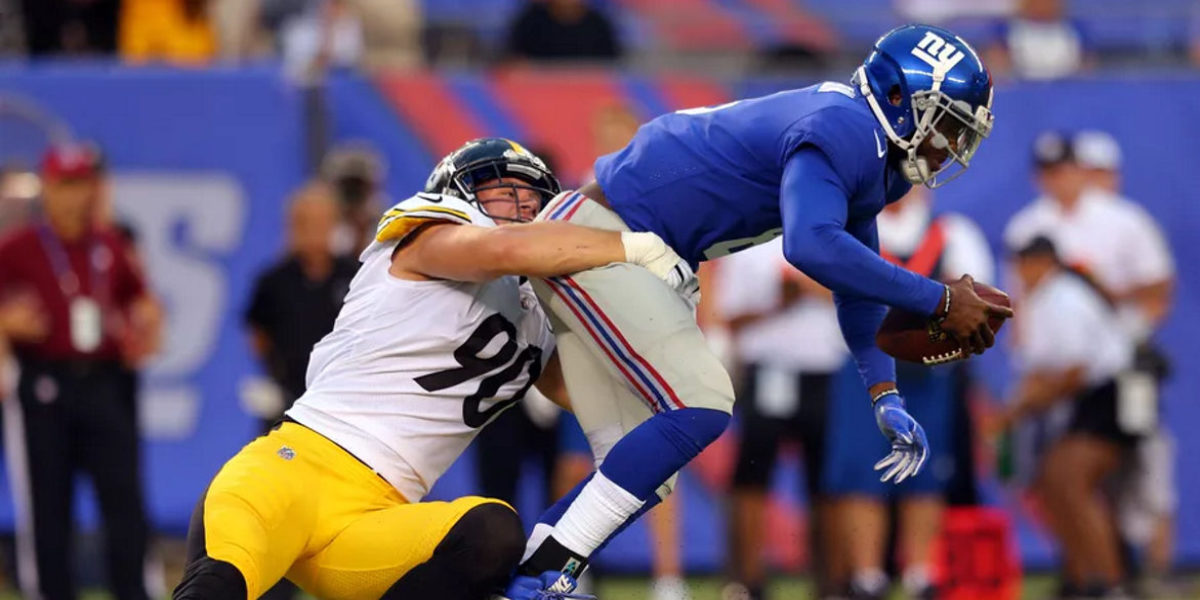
918,338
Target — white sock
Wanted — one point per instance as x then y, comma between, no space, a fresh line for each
587,583
915,579
602,507
871,581
671,587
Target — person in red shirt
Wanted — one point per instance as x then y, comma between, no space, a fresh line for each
91,321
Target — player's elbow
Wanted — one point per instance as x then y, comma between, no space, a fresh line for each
813,256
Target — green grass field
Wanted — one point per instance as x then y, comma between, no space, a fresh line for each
1037,587
709,588
637,588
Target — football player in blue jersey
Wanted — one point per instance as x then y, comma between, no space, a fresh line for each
814,165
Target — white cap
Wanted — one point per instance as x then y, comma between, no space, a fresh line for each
1097,150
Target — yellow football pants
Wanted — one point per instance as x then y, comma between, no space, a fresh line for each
294,504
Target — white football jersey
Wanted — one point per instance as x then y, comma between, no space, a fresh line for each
413,369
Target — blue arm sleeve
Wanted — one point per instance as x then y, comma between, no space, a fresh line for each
859,319
814,204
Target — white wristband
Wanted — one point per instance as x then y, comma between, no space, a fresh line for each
648,251
880,395
639,245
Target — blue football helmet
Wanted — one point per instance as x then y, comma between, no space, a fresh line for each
924,82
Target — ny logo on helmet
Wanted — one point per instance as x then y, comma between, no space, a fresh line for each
937,53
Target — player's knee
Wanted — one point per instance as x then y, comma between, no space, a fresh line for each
210,579
709,387
693,429
490,538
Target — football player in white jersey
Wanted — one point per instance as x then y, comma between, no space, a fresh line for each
437,336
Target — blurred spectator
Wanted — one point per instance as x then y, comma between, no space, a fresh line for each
1096,230
612,128
76,405
1145,491
784,392
316,35
1039,42
1100,155
239,32
940,11
562,30
19,190
1071,353
391,33
12,29
296,300
325,35
174,31
357,172
943,247
1116,242
71,26
1194,35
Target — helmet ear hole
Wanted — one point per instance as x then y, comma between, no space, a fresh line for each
894,96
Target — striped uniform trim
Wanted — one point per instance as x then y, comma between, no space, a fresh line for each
566,208
641,375
396,212
623,364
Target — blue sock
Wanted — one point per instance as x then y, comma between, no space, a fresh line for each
650,454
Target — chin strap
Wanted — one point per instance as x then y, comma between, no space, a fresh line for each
864,88
914,168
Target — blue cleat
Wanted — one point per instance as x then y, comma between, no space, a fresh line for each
550,585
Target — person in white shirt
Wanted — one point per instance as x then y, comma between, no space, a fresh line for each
1040,42
1145,490
944,247
1100,232
788,345
1071,350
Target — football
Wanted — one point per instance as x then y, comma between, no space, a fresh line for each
916,338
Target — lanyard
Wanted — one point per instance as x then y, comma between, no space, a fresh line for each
68,281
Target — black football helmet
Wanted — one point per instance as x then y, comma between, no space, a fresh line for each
480,164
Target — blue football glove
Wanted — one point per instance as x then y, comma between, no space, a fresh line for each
910,449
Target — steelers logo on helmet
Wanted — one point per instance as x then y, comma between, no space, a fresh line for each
926,85
496,164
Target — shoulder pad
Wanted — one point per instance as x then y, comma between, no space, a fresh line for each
406,216
849,138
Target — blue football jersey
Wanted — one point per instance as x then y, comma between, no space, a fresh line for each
707,180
